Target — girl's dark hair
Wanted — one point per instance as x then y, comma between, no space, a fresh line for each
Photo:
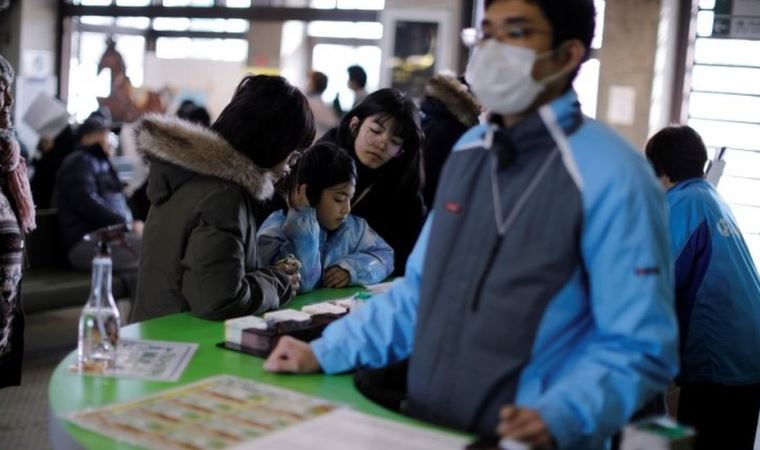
266,120
678,152
321,167
390,104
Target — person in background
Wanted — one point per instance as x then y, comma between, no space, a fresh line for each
335,248
448,111
16,220
357,82
717,298
90,196
537,304
325,117
47,162
199,247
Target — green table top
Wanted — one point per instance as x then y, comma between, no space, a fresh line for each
69,392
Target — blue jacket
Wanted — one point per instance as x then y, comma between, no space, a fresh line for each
717,289
354,247
89,195
545,282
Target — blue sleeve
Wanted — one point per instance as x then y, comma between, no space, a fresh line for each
297,234
633,352
372,259
382,331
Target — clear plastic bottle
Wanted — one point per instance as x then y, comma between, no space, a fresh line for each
100,320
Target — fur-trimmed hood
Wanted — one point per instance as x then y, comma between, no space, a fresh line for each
454,95
201,151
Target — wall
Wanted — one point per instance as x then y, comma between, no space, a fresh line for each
628,57
28,28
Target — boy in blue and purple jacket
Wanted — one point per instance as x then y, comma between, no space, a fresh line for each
335,249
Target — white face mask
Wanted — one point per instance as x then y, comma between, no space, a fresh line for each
500,76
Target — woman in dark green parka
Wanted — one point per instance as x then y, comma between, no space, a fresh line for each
199,242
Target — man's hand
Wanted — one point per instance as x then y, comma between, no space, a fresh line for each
290,266
525,426
336,277
292,355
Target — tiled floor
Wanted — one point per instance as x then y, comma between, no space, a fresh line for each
24,409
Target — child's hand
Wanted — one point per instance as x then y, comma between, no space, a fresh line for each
297,198
336,277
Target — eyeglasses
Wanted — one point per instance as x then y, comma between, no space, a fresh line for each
508,32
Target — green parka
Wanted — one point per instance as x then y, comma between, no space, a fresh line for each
199,241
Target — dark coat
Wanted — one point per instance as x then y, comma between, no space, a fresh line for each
448,111
88,195
199,243
46,167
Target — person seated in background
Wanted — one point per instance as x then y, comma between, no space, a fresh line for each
16,220
448,110
47,162
194,113
325,117
357,82
199,246
90,196
717,298
335,248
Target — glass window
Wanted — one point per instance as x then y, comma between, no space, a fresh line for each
219,25
238,3
95,2
333,60
739,108
132,2
587,86
361,4
348,30
599,31
96,20
736,80
140,23
727,134
188,2
736,52
705,20
85,84
212,49
171,24
706,4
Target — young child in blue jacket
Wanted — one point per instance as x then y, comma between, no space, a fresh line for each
335,248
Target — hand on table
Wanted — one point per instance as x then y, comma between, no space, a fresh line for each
525,426
293,356
336,277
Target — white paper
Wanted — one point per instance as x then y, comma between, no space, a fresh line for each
149,360
380,288
621,107
346,429
46,115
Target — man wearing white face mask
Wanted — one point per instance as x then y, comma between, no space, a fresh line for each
538,302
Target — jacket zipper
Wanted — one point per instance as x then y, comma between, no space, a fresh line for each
487,270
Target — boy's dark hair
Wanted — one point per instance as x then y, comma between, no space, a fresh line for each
678,152
358,76
570,19
318,82
323,166
266,120
390,104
